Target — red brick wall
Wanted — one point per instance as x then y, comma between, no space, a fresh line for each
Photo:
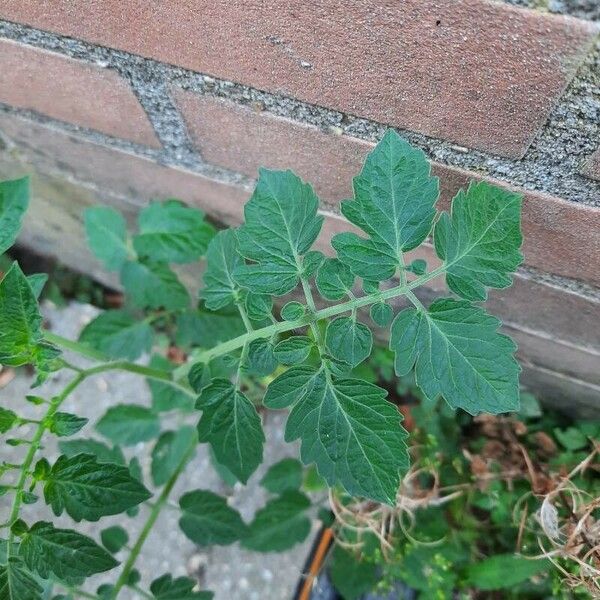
119,102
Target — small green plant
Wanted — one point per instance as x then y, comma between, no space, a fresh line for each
233,340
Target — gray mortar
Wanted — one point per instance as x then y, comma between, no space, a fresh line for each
551,164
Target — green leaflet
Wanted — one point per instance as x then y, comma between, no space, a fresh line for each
117,334
201,327
87,446
17,583
294,350
114,538
261,358
223,259
232,426
334,279
150,284
182,588
106,232
281,224
172,232
258,306
207,519
458,354
480,240
289,387
88,489
21,339
381,313
170,449
128,424
166,396
283,475
66,554
280,524
292,310
65,424
504,571
8,419
348,341
394,198
352,433
14,200
37,281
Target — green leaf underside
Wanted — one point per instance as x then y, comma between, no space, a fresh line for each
283,475
281,224
294,350
223,259
118,334
334,279
128,424
170,449
172,232
347,428
166,396
153,285
348,341
480,240
88,489
394,198
114,538
17,583
207,519
504,571
66,554
14,200
280,524
181,588
231,425
458,354
106,232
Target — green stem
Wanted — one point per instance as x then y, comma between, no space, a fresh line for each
152,517
415,301
33,448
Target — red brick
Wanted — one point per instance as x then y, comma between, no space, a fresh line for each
73,91
238,138
476,72
592,166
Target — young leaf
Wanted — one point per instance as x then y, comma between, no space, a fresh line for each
232,426
382,314
352,433
417,266
394,198
294,350
334,279
459,355
292,310
87,446
114,538
348,340
129,424
118,335
207,519
8,419
170,449
283,475
106,232
17,583
281,224
222,259
261,358
88,489
166,396
65,424
504,571
480,240
153,285
64,553
280,524
170,231
14,200
182,588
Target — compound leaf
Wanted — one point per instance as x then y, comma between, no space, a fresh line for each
68,555
352,433
281,224
129,424
480,239
118,335
394,198
106,232
182,588
207,519
280,524
172,232
17,583
88,489
458,354
232,426
170,449
14,200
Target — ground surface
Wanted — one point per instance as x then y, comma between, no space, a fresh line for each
231,572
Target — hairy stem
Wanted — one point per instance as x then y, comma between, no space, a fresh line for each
157,507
